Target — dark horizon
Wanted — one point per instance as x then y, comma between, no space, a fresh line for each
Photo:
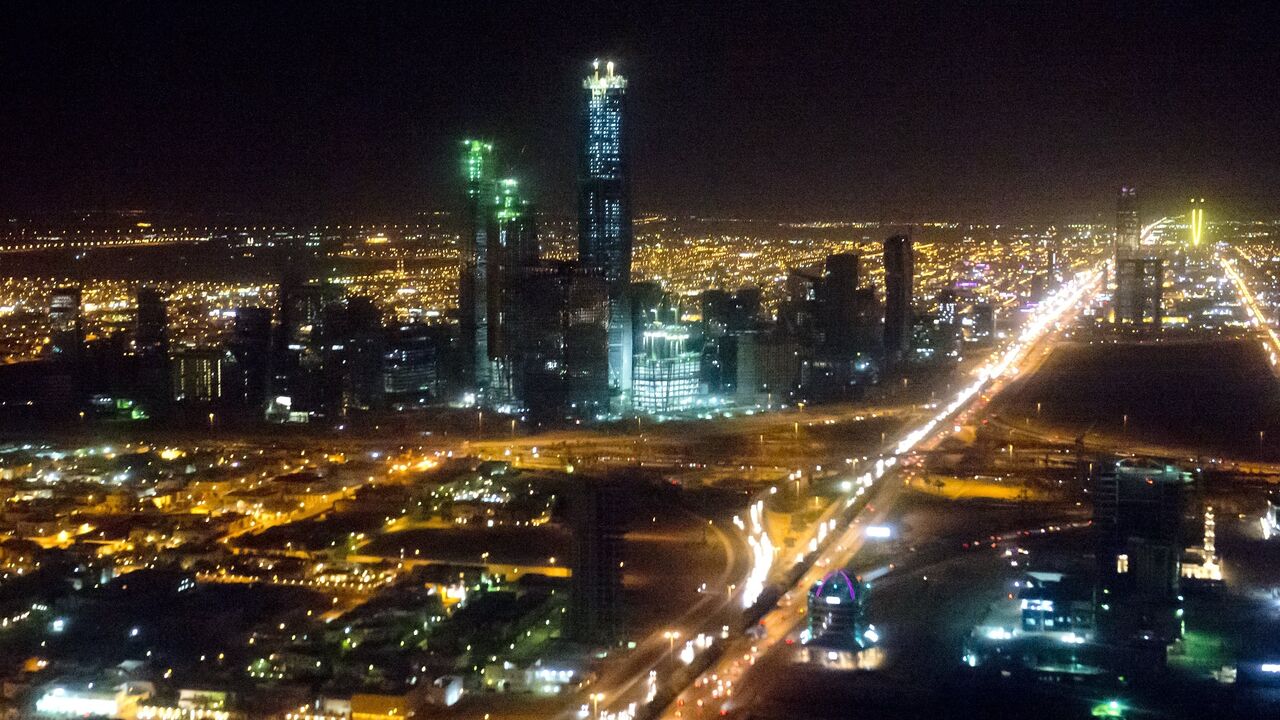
292,110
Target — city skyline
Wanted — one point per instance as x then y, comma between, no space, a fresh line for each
633,362
907,114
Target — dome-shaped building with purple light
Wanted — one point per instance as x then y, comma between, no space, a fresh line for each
837,613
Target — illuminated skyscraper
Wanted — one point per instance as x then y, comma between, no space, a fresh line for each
500,240
202,374
66,332
899,271
1128,227
1195,221
473,282
604,210
667,373
513,246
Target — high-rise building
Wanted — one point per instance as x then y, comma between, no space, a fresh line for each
562,368
66,330
726,317
203,375
899,272
151,333
667,373
251,345
948,304
513,246
302,303
1054,269
500,241
297,357
473,282
800,314
604,211
1139,287
595,613
840,304
1128,227
980,323
410,365
350,343
1140,512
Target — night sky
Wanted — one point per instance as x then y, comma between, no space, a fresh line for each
980,111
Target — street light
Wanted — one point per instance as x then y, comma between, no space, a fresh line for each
671,636
595,704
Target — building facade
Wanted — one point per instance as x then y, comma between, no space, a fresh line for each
604,211
1128,242
899,274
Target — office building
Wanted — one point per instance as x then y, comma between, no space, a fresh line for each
979,323
297,385
563,365
726,318
204,375
301,304
1128,242
513,246
899,272
1141,516
950,330
1054,262
1139,288
604,211
840,305
350,342
595,612
766,368
473,251
151,331
410,365
66,329
799,315
667,373
251,345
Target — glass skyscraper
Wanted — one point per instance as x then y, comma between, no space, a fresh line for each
473,282
1128,227
899,271
604,211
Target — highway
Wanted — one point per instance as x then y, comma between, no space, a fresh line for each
1270,341
713,692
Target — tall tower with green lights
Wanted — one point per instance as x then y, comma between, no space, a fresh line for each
473,251
1195,222
499,243
513,247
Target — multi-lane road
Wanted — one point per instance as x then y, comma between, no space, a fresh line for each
719,689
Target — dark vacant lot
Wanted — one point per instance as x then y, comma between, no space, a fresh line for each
1214,396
